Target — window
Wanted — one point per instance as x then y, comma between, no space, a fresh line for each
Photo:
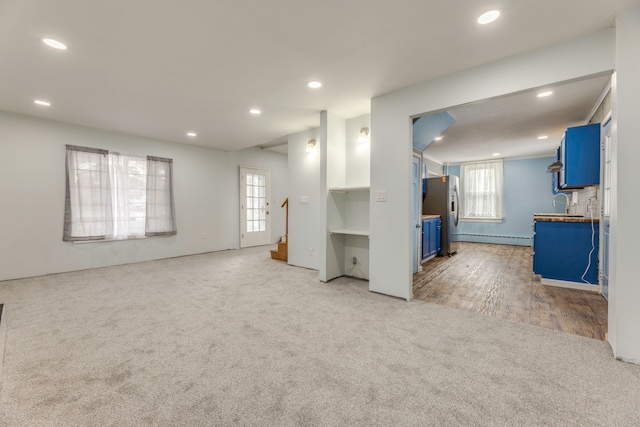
256,202
113,196
481,190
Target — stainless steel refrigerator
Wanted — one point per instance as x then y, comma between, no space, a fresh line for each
442,199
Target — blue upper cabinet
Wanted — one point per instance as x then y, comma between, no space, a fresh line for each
580,157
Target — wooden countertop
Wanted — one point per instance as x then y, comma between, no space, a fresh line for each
430,216
563,218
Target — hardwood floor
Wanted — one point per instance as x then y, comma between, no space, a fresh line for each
498,280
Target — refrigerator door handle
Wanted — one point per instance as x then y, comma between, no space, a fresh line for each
455,191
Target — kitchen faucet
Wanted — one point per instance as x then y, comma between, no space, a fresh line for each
553,201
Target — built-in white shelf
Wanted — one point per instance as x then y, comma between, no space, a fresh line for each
348,189
350,231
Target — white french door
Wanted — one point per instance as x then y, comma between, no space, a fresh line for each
255,193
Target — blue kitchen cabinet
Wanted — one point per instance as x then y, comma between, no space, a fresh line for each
431,237
566,250
580,157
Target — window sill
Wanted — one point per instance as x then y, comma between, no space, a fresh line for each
493,220
82,242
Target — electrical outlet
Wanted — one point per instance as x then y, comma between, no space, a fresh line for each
355,260
310,251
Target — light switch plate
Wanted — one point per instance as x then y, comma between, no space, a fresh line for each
304,200
381,195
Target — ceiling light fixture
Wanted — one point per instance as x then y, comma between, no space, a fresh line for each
41,102
192,134
314,84
311,145
364,135
54,44
488,17
495,154
543,137
255,111
545,94
438,138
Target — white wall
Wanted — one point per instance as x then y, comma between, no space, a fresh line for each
304,181
276,163
624,290
391,145
32,173
358,155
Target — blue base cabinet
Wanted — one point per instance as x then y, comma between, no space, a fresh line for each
561,251
431,237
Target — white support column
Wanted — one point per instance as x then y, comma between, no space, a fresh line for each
624,289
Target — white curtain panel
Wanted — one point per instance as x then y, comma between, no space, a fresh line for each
88,204
482,190
129,195
161,219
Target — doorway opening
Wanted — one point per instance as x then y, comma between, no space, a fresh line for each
493,273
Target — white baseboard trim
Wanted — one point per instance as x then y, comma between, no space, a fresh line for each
570,285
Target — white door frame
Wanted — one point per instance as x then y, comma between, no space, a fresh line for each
417,215
605,215
255,221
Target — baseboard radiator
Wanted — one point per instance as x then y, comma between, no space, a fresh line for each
513,240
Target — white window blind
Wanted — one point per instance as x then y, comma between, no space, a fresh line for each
482,190
113,196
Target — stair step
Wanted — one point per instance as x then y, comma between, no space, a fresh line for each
279,255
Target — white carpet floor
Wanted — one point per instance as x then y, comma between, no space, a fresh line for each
235,338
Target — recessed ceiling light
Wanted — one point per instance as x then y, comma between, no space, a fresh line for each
438,138
255,111
314,84
489,17
545,94
543,137
495,154
41,102
192,134
54,44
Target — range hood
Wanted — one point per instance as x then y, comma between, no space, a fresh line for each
554,167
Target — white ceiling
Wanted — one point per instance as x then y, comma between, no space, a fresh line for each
511,125
160,68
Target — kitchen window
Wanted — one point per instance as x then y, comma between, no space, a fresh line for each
113,196
482,191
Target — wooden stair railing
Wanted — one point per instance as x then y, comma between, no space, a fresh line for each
282,253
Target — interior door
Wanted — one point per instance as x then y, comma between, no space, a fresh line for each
255,193
417,206
606,207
